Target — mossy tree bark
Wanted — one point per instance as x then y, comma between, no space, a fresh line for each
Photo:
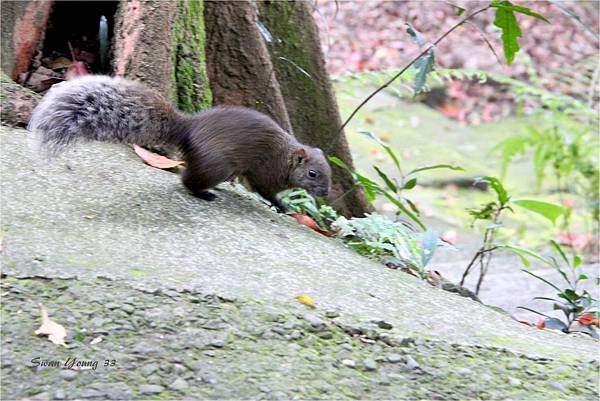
149,32
239,66
307,91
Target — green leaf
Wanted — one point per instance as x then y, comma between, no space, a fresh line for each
523,253
569,295
558,249
410,184
414,34
543,280
428,245
385,178
498,188
510,148
531,310
404,210
506,5
458,11
385,146
507,22
371,188
576,261
338,163
412,205
550,211
577,18
436,166
424,66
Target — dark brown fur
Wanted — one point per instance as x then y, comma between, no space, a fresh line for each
218,144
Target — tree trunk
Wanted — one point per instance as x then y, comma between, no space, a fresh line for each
162,44
23,25
239,67
308,94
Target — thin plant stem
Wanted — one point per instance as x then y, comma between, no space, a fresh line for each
403,70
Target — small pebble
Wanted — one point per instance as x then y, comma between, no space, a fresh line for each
463,371
370,364
557,386
394,358
513,365
513,381
127,308
384,325
326,335
179,384
315,322
68,374
332,314
217,344
151,389
411,364
349,363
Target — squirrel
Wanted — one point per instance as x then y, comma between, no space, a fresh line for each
218,144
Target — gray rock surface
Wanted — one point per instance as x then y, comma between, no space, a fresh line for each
188,291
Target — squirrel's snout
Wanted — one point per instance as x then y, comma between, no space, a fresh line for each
322,192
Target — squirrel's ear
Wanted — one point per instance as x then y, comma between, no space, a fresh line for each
299,156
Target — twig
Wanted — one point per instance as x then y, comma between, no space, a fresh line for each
385,85
485,39
480,252
72,52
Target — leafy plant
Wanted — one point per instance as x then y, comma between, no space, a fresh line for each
576,304
392,189
569,149
375,236
300,201
492,212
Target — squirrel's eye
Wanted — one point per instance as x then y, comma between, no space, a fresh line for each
312,173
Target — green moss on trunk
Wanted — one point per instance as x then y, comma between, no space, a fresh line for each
308,94
193,91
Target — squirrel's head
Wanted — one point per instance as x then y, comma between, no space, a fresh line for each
310,170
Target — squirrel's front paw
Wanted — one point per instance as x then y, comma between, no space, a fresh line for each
206,195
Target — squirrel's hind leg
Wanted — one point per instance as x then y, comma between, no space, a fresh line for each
199,183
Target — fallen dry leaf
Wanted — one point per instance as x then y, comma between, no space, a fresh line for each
96,340
588,319
310,223
76,69
306,300
59,63
540,323
55,332
155,160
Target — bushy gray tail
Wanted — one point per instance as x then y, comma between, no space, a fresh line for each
101,108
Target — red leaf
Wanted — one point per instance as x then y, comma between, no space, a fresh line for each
588,319
540,323
310,223
449,110
155,160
